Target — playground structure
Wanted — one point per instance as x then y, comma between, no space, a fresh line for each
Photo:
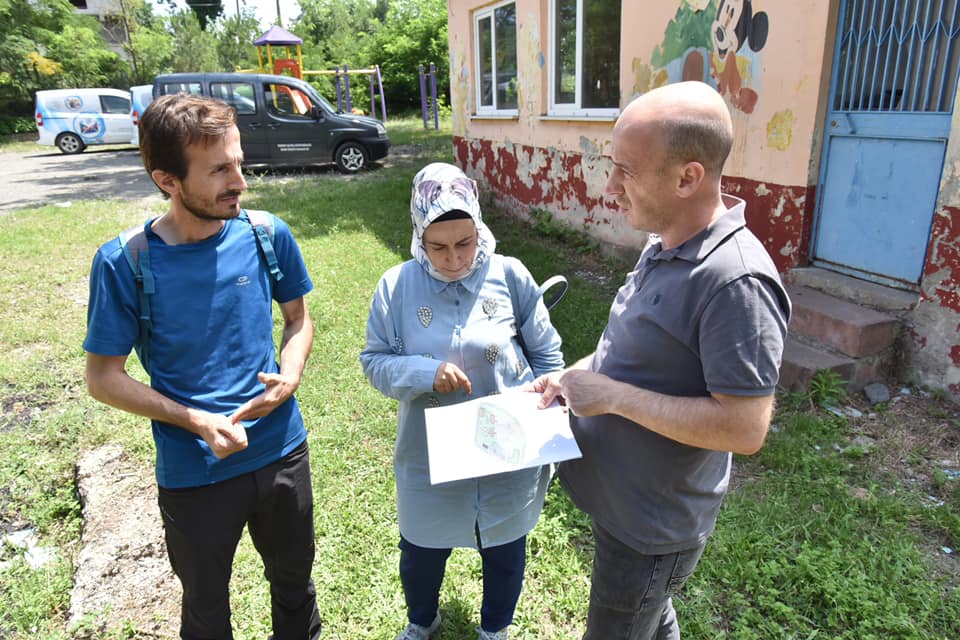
277,36
428,102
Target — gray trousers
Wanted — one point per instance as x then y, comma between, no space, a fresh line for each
631,594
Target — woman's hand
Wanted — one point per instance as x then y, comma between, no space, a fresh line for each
449,378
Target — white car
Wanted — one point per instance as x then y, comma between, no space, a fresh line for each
140,96
72,119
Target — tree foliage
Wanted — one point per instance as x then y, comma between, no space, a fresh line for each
206,11
46,44
235,36
193,48
414,33
397,35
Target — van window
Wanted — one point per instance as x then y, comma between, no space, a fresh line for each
287,102
114,104
180,87
239,95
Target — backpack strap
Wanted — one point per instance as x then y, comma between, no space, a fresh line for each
263,227
135,247
133,243
550,282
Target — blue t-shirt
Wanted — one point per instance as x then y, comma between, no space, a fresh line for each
212,333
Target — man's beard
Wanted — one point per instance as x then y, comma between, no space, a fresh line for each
200,211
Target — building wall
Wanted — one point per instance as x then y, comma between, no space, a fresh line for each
777,92
561,164
932,344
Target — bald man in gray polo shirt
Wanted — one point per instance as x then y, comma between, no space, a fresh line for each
685,371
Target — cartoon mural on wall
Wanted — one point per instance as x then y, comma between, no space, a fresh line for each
718,42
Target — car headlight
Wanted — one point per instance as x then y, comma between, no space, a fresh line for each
381,130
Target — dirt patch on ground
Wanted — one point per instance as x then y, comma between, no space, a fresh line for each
123,580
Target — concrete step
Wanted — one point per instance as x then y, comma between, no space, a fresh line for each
851,329
802,358
801,361
869,294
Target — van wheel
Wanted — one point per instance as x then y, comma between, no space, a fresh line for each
350,157
70,143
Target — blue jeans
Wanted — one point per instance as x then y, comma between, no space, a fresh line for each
631,593
422,569
202,527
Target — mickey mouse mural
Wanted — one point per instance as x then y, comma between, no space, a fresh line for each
735,25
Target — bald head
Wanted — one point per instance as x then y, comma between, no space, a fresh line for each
692,122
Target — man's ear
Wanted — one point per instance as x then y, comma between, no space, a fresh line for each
690,177
167,182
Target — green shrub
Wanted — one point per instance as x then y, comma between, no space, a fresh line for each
17,124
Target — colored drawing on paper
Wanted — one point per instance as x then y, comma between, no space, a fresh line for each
500,434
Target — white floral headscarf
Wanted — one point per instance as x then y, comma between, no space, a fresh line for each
440,188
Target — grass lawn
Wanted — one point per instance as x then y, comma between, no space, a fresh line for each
820,538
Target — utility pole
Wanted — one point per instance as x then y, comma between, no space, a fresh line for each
279,20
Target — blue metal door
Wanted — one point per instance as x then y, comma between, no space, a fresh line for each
891,98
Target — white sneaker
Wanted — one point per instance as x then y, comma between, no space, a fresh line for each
503,634
416,632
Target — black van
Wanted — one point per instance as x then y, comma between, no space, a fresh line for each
283,121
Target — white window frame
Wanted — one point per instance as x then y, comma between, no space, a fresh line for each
487,13
572,109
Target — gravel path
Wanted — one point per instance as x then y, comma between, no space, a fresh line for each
36,178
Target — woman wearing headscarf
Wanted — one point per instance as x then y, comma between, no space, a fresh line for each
443,328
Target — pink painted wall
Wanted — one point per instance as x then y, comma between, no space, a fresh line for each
562,162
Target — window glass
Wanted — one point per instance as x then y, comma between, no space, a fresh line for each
114,104
496,58
505,19
485,37
601,54
239,95
566,52
585,55
287,101
180,87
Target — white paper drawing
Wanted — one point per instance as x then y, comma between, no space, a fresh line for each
499,433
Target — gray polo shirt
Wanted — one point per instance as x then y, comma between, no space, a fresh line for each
707,316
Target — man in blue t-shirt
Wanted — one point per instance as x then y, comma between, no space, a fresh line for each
685,371
230,439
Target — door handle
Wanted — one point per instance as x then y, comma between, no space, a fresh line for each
254,125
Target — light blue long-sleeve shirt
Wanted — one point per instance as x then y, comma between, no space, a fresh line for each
416,323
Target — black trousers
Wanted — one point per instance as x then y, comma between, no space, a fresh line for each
203,525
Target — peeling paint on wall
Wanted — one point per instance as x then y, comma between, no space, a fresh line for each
528,54
778,215
568,184
780,130
941,279
932,348
460,91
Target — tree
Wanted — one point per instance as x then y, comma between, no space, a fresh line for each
337,30
193,48
149,46
154,49
86,62
235,36
206,11
46,44
414,33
